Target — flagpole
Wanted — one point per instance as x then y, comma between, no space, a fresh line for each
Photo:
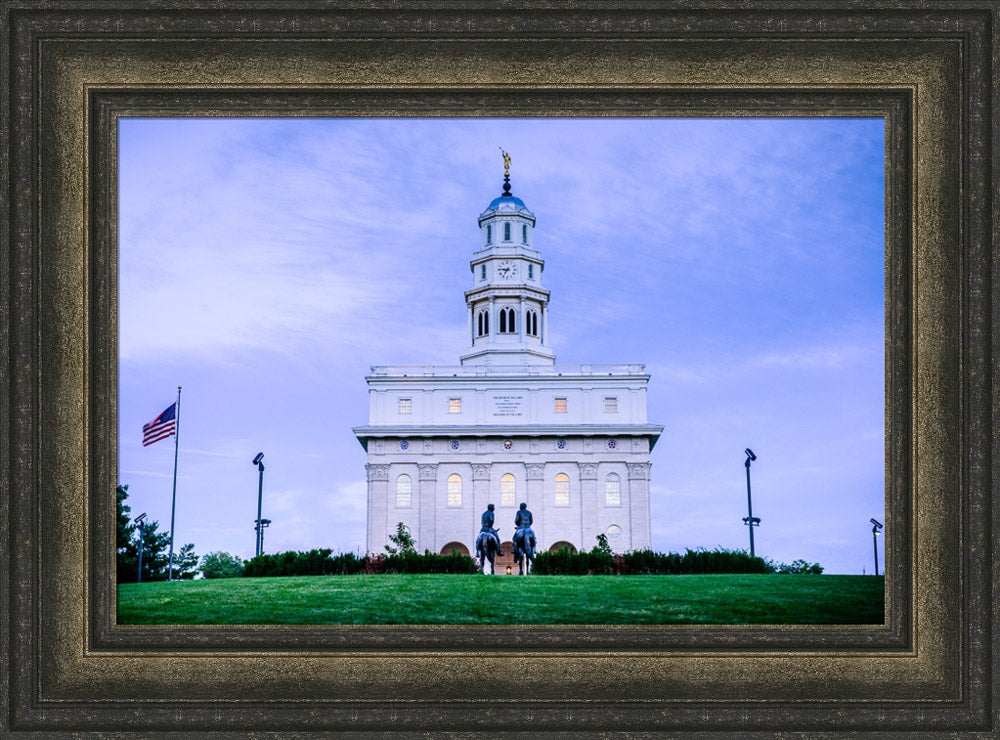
173,502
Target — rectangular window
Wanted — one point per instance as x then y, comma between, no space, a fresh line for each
560,405
524,233
531,271
489,233
482,271
611,405
506,232
454,405
405,406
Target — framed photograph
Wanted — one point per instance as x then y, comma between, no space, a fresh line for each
662,292
77,72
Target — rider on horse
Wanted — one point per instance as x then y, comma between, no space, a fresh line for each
523,517
522,527
488,526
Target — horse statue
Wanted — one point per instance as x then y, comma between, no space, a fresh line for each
487,548
524,548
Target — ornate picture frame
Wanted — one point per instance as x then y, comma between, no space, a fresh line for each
72,68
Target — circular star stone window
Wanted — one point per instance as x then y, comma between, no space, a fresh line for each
454,444
561,444
611,444
507,444
404,445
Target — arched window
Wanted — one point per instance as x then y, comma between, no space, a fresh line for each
489,233
613,490
404,489
454,490
483,323
506,232
507,490
524,234
562,490
507,321
531,323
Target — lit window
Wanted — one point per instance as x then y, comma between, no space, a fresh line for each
507,490
560,405
405,406
403,490
454,490
454,405
489,233
531,271
482,271
611,405
506,232
613,490
562,490
524,234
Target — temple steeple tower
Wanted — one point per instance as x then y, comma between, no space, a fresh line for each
508,307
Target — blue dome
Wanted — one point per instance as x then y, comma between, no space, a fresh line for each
507,200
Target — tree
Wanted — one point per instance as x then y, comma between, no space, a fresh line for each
405,544
155,548
186,562
126,553
221,565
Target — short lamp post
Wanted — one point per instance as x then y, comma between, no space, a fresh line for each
142,530
875,533
750,520
258,530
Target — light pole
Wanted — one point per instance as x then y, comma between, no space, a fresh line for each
260,524
877,526
260,496
142,529
750,520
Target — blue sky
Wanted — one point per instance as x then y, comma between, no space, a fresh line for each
266,264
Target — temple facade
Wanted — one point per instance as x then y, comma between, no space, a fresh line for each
507,424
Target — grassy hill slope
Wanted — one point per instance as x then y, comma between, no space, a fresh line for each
479,599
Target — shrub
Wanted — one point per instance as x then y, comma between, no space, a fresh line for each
221,565
412,562
798,566
316,562
600,561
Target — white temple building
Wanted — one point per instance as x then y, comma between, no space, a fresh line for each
508,425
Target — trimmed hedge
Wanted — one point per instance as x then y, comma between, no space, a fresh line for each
412,562
316,562
322,562
646,562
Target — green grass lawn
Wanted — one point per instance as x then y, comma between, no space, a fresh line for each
479,599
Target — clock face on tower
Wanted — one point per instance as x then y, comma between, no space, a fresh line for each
507,269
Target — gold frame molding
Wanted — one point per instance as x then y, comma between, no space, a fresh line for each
70,68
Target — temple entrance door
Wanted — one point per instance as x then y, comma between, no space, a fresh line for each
507,559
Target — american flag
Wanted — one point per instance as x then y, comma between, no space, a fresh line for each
163,426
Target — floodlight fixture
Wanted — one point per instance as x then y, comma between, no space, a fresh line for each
138,519
878,525
750,456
